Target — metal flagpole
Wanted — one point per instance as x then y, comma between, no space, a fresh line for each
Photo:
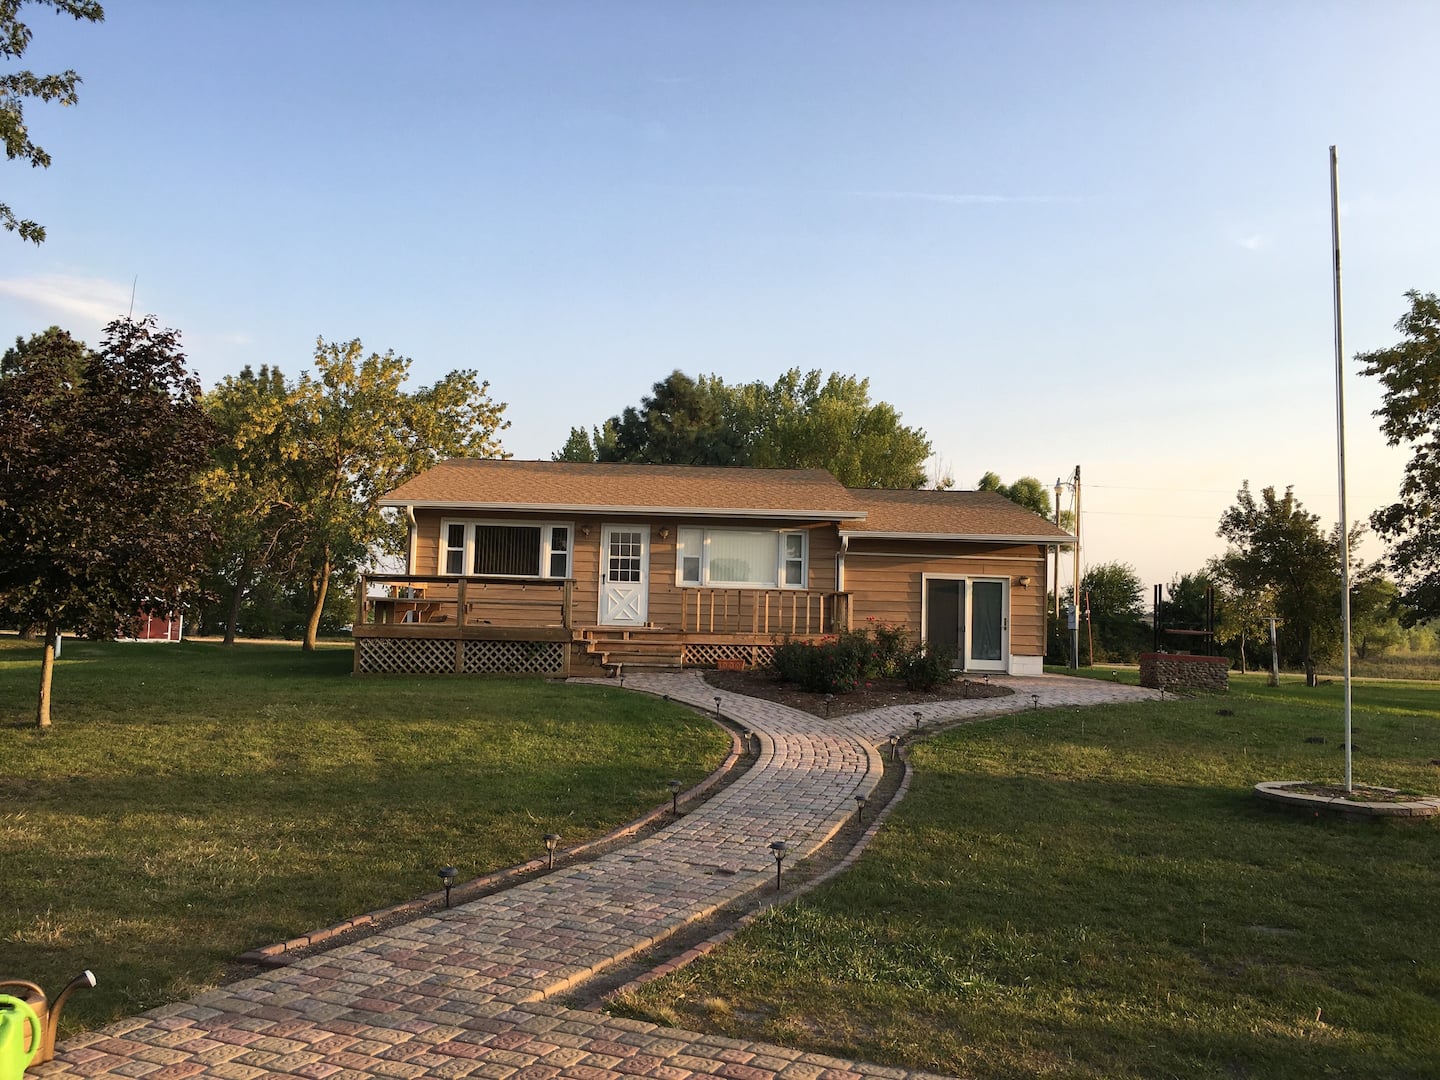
1340,453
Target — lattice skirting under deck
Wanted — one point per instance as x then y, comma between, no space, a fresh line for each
708,655
515,657
436,656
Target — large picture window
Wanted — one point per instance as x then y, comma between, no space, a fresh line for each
757,558
505,549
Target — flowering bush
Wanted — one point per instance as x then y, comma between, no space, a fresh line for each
839,664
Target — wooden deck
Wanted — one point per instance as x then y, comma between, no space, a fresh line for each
481,625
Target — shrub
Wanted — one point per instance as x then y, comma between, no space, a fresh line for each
925,668
828,667
889,648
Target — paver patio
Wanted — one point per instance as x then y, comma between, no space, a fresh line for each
463,993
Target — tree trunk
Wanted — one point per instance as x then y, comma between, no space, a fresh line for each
312,627
1242,652
47,672
1310,679
242,581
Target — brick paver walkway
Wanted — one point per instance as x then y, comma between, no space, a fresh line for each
463,993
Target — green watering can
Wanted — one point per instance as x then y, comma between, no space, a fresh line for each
21,1034
28,1023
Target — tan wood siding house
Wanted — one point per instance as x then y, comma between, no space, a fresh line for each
623,565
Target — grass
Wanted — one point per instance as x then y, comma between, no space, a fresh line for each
194,801
1097,894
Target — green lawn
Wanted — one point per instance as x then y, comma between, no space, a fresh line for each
1097,894
194,801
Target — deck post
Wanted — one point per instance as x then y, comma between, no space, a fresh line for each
359,618
461,611
567,598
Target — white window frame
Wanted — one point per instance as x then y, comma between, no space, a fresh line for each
781,558
546,546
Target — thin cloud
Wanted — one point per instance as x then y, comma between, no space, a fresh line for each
94,300
962,198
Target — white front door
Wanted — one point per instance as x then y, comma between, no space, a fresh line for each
624,577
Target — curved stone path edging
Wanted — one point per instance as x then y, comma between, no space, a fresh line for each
462,993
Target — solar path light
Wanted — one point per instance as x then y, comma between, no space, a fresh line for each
447,878
551,839
777,848
860,803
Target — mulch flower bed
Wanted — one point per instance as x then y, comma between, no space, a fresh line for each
874,694
1359,794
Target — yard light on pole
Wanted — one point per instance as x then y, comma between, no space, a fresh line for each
551,839
894,746
777,848
916,714
675,797
447,878
828,699
1034,701
860,801
745,739
717,708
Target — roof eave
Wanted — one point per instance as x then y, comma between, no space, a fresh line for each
987,538
613,508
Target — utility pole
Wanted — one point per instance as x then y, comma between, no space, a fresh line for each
1058,488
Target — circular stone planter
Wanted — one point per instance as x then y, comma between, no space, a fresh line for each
1388,804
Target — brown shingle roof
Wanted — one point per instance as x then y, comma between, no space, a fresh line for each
947,514
551,485
677,489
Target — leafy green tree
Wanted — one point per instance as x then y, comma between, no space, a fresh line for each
811,421
1027,492
1410,416
578,447
99,502
1277,544
52,343
246,490
682,421
1112,597
17,86
351,434
1242,615
802,421
1375,611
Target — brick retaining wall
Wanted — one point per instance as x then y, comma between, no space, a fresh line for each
1176,671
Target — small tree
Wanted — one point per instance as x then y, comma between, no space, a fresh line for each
352,434
1277,544
99,503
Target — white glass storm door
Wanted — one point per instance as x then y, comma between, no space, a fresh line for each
967,616
988,625
624,577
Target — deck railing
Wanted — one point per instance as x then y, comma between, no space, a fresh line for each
776,612
435,602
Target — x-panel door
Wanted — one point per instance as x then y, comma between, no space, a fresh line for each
624,575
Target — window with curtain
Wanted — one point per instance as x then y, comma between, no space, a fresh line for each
765,558
504,549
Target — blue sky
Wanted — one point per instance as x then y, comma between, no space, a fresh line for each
1048,233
